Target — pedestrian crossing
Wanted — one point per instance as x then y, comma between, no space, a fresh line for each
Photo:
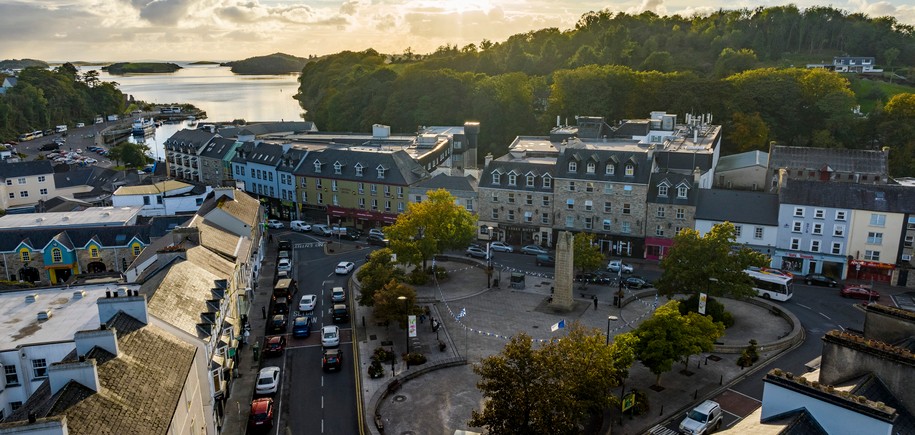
661,430
309,245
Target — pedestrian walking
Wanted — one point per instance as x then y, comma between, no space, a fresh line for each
595,303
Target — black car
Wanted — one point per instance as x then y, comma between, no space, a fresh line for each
545,260
593,278
284,245
278,323
280,308
377,240
636,282
820,279
49,147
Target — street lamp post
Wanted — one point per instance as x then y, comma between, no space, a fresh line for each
407,329
610,319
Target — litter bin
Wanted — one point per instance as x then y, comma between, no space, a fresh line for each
495,282
517,280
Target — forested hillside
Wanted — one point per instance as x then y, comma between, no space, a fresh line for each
44,98
745,67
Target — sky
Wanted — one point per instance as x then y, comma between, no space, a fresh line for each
191,30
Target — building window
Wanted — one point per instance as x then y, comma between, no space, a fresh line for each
836,248
798,211
358,168
838,231
588,223
796,226
373,189
387,190
338,168
136,249
335,200
570,204
871,255
546,201
874,238
56,255
15,405
681,192
400,206
495,197
840,215
12,378
530,181
589,205
43,191
320,198
817,228
361,188
571,186
662,190
627,190
305,197
630,170
660,212
545,218
469,204
24,194
270,176
528,216
608,188
362,203
819,213
758,233
39,368
589,187
12,195
496,178
374,204
659,231
495,214
512,179
387,205
511,198
878,220
333,185
626,228
317,166
626,208
547,181
400,191
607,224
814,246
21,180
610,169
591,167
380,171
909,240
573,167
795,244
738,230
681,213
511,215
318,183
570,221
529,200
608,207
93,251
41,178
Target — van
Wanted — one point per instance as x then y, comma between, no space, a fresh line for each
60,128
299,226
80,125
321,230
284,289
341,314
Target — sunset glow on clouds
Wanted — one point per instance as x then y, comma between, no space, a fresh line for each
109,30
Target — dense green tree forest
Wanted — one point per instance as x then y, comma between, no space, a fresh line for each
44,98
746,67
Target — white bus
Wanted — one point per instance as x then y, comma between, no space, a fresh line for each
771,285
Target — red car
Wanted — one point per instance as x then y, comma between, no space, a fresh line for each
261,416
275,345
858,292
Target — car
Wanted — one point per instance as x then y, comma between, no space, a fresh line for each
330,336
614,266
376,232
261,416
820,279
340,313
475,252
533,250
501,247
274,345
703,419
301,326
283,254
636,282
280,306
321,230
278,323
284,245
49,147
273,223
859,292
300,226
80,124
375,239
268,380
307,303
332,360
545,260
284,264
337,294
344,267
593,278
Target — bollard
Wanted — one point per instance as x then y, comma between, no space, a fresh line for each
720,379
698,363
662,411
257,350
696,395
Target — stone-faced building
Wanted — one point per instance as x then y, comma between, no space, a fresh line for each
182,151
671,207
516,200
463,188
216,162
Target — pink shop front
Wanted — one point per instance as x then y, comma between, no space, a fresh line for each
656,248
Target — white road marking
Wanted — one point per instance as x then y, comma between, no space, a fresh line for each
802,305
827,317
744,395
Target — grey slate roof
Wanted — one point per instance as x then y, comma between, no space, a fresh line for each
839,159
102,178
875,390
188,141
742,160
450,183
275,127
264,153
179,295
140,388
25,169
872,197
673,181
217,148
737,206
522,167
602,157
61,204
79,237
400,168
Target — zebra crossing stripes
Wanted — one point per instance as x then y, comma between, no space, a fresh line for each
661,430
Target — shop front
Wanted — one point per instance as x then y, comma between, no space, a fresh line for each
656,248
621,246
803,263
521,235
358,218
870,271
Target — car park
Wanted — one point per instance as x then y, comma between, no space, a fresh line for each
307,303
273,223
501,247
300,226
274,345
301,326
859,292
375,239
475,252
636,282
344,267
533,250
332,360
820,279
278,323
702,419
284,264
615,265
545,260
337,294
268,380
261,416
330,336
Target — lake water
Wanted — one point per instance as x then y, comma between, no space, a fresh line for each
215,89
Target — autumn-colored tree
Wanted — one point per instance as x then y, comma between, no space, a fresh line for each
586,253
389,307
430,227
377,271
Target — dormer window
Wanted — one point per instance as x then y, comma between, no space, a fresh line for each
662,190
496,178
530,181
547,181
573,166
358,169
338,167
381,170
317,166
591,167
610,169
681,192
630,170
512,179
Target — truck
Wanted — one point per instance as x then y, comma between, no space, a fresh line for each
60,128
284,289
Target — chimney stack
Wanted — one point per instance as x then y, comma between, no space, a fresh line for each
697,174
104,337
85,372
487,160
132,303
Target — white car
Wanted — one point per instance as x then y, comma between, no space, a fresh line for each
614,266
337,294
330,336
268,380
501,247
284,264
344,267
273,223
300,226
307,303
376,232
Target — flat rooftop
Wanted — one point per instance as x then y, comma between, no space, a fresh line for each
95,217
68,314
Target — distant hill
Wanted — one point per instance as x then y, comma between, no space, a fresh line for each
277,63
140,67
204,62
22,63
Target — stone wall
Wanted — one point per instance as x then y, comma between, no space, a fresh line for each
617,197
669,221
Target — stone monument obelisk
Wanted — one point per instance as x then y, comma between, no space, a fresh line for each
562,281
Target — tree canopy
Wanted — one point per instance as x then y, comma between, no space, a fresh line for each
387,305
586,254
430,227
710,263
377,271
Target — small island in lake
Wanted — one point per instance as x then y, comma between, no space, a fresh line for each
140,67
204,62
22,63
276,63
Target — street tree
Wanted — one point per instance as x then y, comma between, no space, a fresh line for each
430,227
667,337
379,270
387,305
586,253
711,263
130,153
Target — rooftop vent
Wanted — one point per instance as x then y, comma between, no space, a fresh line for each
79,294
31,298
44,315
